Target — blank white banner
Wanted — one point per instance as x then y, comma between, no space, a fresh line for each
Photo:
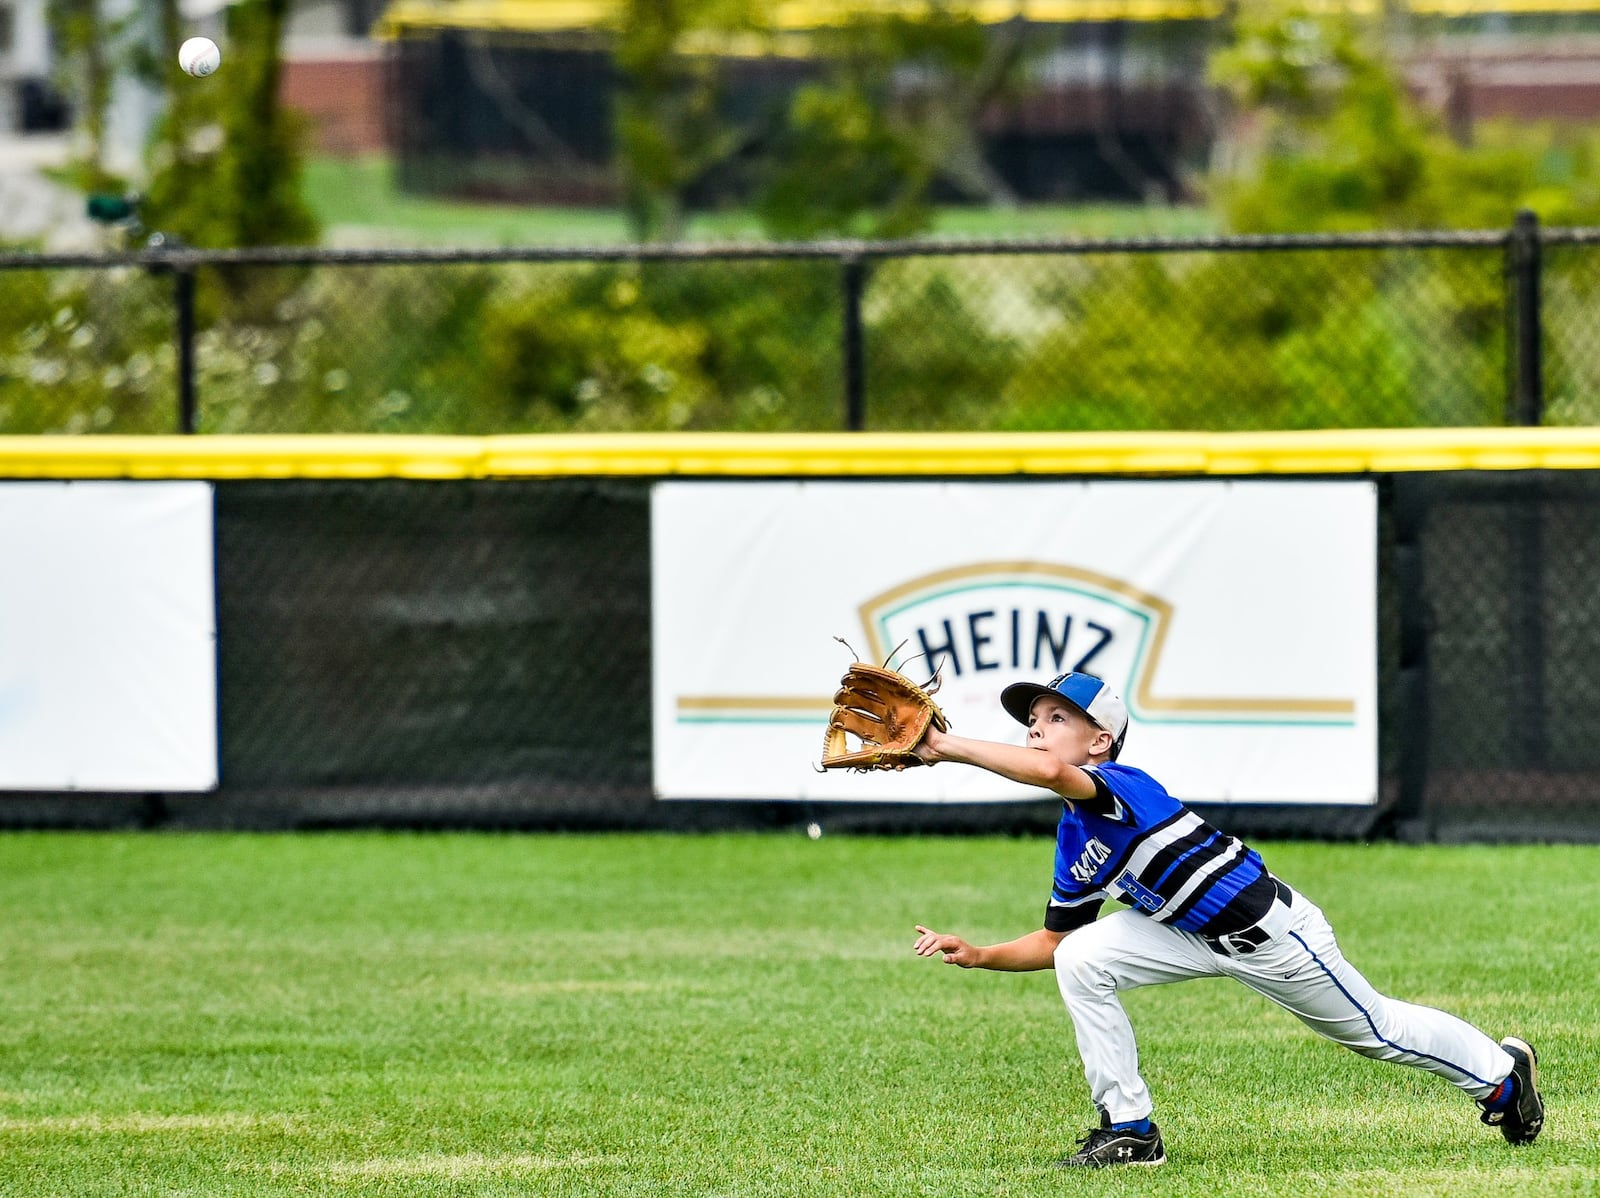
107,637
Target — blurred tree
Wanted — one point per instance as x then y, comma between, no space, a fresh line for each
85,39
672,126
1327,137
226,157
896,115
858,151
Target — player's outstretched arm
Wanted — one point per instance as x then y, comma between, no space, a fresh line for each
1036,950
1028,766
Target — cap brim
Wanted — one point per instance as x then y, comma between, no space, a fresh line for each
1018,699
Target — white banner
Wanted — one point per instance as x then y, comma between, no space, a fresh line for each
1237,619
107,637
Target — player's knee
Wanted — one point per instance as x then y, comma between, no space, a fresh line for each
1079,968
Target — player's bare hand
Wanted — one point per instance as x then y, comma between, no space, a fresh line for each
956,950
928,747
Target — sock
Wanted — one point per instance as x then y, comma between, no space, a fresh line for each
1501,1098
1138,1126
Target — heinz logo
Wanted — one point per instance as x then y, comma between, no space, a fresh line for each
1048,642
984,625
991,623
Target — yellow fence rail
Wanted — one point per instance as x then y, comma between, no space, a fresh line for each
1345,451
566,16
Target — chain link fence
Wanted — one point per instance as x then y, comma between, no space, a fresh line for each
1446,329
1501,725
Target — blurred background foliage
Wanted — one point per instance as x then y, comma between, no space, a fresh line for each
1325,137
226,158
1322,136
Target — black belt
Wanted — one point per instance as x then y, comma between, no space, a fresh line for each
1247,940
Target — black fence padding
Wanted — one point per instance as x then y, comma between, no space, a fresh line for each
435,638
1511,576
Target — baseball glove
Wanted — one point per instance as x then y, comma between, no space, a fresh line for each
886,712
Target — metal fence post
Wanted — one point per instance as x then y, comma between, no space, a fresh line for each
855,393
1527,345
183,297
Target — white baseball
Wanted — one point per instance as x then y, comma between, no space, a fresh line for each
199,56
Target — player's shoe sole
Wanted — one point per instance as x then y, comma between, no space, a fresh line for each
1524,1119
1521,1122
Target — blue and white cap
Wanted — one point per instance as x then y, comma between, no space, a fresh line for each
1084,691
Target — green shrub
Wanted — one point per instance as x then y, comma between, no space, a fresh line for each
551,364
354,349
531,348
1289,340
86,352
937,355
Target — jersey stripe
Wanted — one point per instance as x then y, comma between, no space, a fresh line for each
1164,862
1217,846
1195,889
1140,849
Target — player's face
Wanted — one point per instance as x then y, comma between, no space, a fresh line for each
1057,727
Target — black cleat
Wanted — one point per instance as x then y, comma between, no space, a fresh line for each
1102,1147
1520,1122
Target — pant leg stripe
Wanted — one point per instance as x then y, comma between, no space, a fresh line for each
1376,1035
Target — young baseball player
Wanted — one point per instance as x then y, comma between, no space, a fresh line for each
1199,904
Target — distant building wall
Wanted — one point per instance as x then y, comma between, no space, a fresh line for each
24,39
342,90
1504,78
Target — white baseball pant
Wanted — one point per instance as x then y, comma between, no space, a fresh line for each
1300,968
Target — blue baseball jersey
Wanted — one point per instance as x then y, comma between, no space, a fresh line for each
1139,845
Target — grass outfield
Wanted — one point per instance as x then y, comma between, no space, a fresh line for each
358,204
401,1014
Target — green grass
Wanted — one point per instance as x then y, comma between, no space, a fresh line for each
371,1014
357,203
